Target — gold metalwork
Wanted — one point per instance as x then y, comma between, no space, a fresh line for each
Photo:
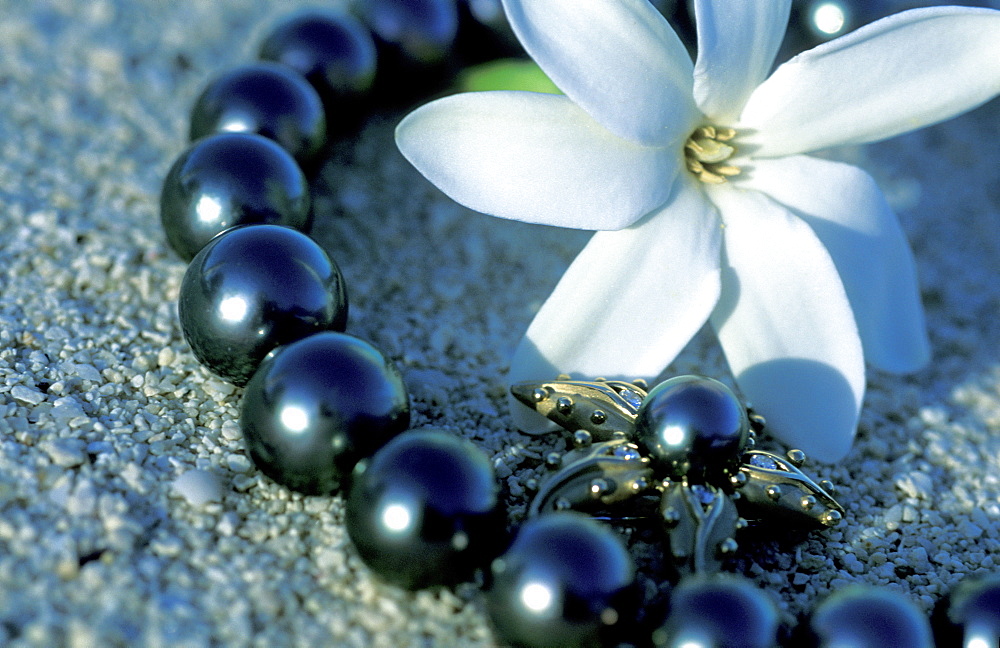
593,476
785,491
701,520
601,407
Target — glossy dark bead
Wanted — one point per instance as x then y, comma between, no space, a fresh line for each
254,288
227,180
566,581
484,33
265,98
692,426
422,31
719,612
970,616
424,510
332,50
317,406
862,616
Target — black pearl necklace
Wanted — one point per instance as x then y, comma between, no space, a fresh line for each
265,307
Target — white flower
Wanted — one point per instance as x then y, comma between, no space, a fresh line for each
797,262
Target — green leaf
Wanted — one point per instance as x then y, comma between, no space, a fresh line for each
506,74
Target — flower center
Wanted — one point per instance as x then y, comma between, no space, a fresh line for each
706,153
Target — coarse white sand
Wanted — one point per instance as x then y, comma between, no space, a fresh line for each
129,511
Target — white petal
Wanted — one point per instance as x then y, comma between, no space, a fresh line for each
737,42
849,214
904,72
617,59
536,158
630,301
786,326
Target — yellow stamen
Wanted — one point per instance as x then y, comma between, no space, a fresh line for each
706,151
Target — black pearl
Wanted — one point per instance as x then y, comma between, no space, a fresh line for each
970,616
692,427
253,288
332,50
422,31
317,406
265,98
484,33
862,616
227,180
721,611
424,510
566,581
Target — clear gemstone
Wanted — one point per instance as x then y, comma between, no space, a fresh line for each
763,461
630,397
705,496
627,453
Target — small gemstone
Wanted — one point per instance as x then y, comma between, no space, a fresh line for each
762,461
631,397
705,496
627,453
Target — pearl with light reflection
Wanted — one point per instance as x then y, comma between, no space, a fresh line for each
252,289
265,98
227,180
567,580
425,510
722,610
970,615
317,406
418,32
333,50
863,615
692,426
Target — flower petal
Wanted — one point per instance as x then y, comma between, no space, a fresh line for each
849,214
786,326
737,42
629,302
536,158
619,60
904,72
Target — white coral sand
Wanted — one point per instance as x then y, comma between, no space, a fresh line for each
107,539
